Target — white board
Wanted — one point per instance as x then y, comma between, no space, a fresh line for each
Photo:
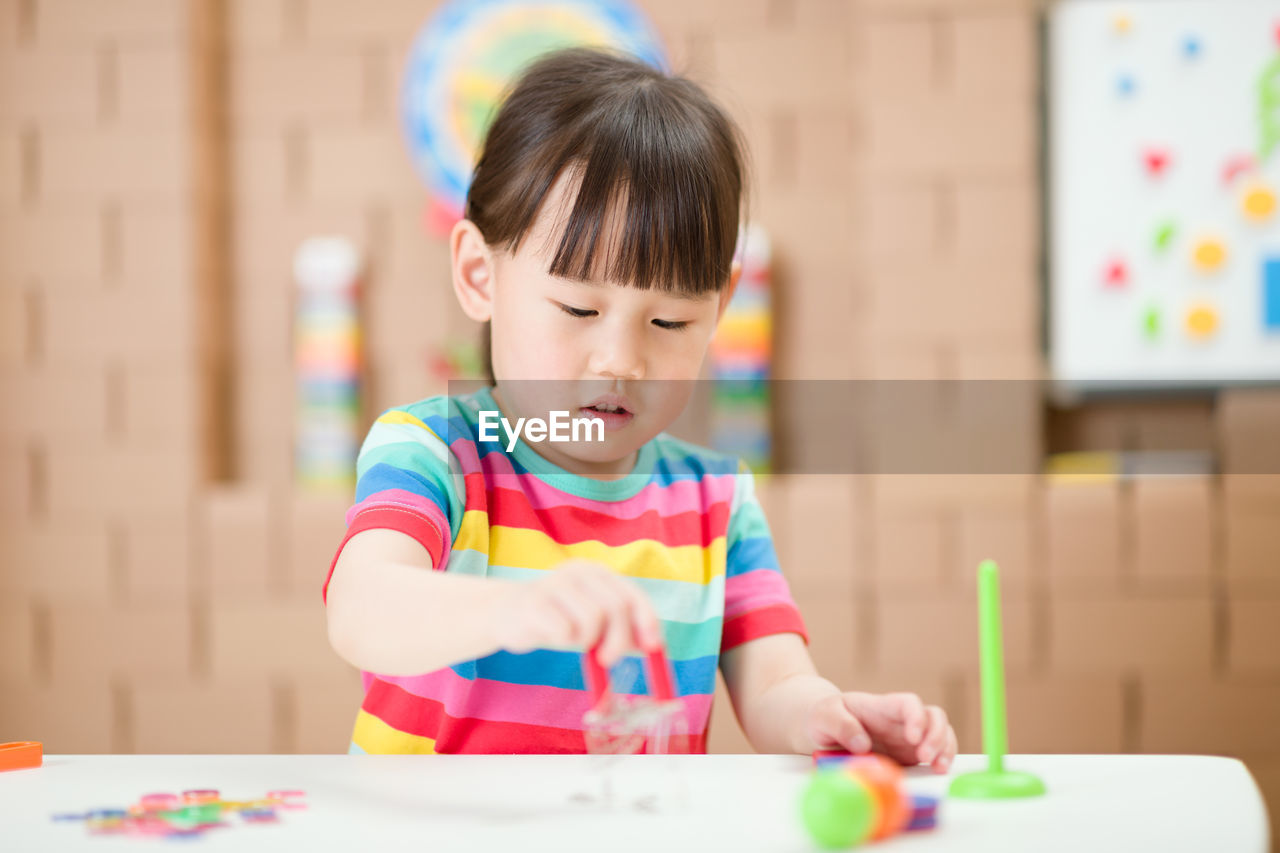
1182,80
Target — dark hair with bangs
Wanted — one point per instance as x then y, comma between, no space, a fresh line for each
654,145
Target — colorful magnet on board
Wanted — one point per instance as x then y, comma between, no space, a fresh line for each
1156,161
1202,321
1269,108
1271,295
1126,85
1165,232
1235,166
1116,274
1258,202
1151,323
1191,47
1121,24
1269,135
1209,254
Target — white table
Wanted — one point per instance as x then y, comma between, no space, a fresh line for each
730,802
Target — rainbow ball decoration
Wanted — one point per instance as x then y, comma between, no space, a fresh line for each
860,798
838,809
884,777
465,57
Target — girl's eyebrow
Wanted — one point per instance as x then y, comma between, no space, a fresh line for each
687,297
696,297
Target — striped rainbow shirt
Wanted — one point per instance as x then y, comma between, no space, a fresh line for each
685,526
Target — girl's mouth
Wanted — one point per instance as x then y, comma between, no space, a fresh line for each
614,416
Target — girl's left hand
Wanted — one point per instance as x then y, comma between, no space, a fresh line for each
898,725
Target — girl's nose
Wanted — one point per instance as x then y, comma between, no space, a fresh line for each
617,355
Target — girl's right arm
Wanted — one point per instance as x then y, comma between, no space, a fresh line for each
391,614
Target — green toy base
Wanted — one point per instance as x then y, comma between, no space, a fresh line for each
996,785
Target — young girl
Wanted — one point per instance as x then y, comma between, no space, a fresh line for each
480,562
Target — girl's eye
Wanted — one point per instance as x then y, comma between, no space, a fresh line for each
576,312
673,325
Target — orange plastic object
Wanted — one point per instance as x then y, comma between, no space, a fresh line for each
884,777
20,754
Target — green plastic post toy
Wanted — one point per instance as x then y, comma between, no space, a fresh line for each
994,783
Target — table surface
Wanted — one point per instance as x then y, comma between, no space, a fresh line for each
656,804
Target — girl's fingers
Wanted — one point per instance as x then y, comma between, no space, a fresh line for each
935,738
648,629
630,609
538,624
846,729
582,613
914,718
621,616
943,762
617,633
551,628
614,612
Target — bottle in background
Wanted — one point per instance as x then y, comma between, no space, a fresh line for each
326,363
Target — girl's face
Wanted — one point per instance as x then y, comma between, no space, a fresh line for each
593,349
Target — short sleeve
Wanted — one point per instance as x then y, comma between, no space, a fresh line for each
757,599
405,482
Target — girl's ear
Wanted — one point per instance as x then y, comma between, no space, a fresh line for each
472,265
726,295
